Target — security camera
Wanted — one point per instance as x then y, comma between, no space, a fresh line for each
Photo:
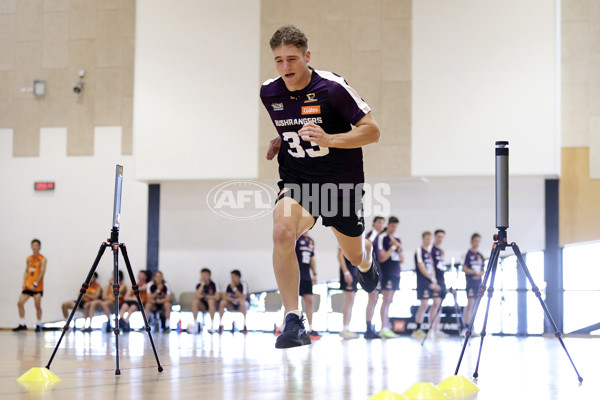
78,88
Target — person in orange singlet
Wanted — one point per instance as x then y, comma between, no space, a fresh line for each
130,304
107,302
93,292
33,286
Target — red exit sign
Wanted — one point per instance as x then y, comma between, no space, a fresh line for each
44,186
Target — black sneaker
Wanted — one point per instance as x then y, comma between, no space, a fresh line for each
371,335
20,328
38,328
370,279
294,334
314,334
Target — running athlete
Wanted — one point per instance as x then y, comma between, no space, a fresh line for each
440,270
391,256
235,298
473,269
427,286
305,252
206,299
378,227
320,161
33,286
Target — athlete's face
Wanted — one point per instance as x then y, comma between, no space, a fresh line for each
205,277
141,277
235,279
439,238
391,229
93,280
426,240
292,65
35,247
475,242
159,278
378,225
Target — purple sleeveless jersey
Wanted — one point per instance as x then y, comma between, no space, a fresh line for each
329,102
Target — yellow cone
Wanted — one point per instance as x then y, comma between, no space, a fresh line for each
457,385
425,391
387,395
38,375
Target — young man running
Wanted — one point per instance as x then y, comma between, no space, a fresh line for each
320,166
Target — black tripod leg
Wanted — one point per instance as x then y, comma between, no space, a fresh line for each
82,291
492,263
536,290
116,290
490,292
140,304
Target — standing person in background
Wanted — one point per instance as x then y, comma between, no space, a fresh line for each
130,304
378,227
427,284
440,270
305,252
33,286
348,284
206,298
390,258
473,269
235,298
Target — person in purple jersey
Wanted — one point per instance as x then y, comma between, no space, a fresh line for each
320,166
389,248
305,252
378,227
427,285
440,270
473,269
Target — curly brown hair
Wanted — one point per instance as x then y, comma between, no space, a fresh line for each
289,34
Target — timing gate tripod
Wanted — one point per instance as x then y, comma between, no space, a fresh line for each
500,244
113,242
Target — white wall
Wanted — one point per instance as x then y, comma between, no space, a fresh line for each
71,221
485,71
196,89
192,236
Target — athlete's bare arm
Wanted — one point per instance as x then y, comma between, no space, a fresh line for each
366,132
274,146
25,277
313,267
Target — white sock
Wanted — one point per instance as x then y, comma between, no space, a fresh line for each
346,327
308,327
297,312
39,322
22,321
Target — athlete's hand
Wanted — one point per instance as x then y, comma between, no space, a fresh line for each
434,286
274,146
25,287
314,133
348,278
314,279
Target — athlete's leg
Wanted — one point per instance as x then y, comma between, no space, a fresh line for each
387,298
357,250
421,312
133,308
347,310
224,304
65,308
124,309
308,302
21,304
437,302
290,220
37,299
371,304
212,310
469,310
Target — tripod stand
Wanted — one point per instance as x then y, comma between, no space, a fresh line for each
113,242
500,244
459,321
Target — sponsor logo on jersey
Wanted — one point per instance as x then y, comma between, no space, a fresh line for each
297,121
277,106
309,110
310,98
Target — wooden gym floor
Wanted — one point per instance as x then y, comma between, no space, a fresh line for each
234,366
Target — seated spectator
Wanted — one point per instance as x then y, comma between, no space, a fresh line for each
235,298
93,292
159,299
206,298
130,303
107,303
